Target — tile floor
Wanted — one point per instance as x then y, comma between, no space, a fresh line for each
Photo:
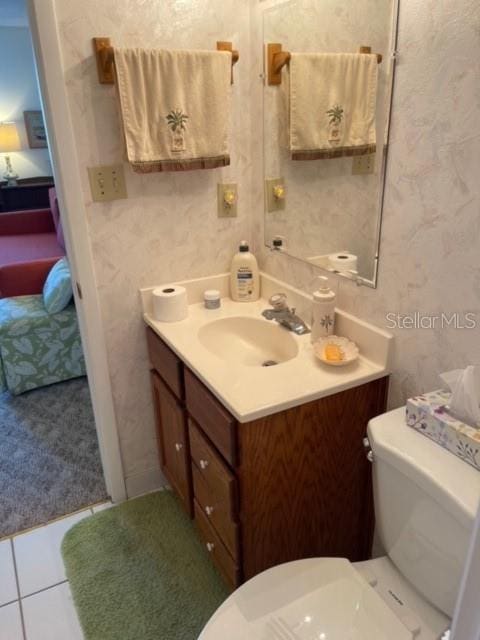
35,600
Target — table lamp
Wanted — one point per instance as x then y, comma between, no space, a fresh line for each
9,141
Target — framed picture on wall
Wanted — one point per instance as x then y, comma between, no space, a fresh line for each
37,137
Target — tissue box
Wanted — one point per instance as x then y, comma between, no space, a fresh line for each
428,414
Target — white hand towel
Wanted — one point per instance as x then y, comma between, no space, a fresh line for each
333,100
175,108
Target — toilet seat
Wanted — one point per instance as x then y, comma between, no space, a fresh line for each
312,599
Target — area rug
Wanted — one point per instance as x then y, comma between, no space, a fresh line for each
49,456
138,571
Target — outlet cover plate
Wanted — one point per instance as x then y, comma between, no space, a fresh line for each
225,211
107,182
273,203
363,165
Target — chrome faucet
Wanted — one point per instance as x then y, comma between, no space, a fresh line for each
284,316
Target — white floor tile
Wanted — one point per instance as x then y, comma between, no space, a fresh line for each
10,622
38,557
51,615
102,507
8,583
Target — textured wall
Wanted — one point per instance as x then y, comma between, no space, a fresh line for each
327,208
19,93
167,229
431,227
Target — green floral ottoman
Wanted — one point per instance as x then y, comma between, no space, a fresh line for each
37,348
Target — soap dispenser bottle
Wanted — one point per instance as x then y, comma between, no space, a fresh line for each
244,275
323,310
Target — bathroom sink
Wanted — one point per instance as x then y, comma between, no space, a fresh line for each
227,347
248,341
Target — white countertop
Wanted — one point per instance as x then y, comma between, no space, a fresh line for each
253,392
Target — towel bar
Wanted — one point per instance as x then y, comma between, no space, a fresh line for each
105,57
277,59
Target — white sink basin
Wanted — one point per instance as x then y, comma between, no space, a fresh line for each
250,342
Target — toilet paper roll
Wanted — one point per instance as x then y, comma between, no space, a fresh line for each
170,303
343,261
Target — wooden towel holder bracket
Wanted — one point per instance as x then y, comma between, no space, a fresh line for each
277,59
105,57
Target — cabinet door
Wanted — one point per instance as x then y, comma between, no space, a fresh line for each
173,441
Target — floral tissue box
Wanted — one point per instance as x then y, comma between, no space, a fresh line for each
428,414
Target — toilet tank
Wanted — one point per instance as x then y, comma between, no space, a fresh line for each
425,505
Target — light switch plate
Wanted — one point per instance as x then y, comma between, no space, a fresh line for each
225,210
107,182
363,165
273,203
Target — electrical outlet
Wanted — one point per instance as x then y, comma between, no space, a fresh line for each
107,182
363,165
275,194
227,197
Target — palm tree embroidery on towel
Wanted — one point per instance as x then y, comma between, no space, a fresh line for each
335,116
177,121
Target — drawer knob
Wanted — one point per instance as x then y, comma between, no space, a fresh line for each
203,464
209,510
210,547
178,446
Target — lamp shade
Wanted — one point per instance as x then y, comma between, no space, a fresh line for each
9,139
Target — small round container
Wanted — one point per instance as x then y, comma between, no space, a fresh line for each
212,299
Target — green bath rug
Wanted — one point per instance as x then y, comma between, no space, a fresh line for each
138,571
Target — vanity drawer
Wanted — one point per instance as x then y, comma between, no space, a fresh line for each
220,481
218,508
166,363
214,419
220,556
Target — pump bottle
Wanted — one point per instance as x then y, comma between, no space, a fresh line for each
244,276
323,310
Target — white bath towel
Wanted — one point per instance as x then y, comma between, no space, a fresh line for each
175,108
333,100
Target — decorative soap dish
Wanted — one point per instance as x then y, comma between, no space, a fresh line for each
335,350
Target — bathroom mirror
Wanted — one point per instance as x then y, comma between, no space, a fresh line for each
316,209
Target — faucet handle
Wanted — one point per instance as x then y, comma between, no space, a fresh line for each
278,301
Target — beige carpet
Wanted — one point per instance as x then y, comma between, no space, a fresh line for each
49,457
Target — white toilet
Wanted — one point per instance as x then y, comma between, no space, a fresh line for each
426,500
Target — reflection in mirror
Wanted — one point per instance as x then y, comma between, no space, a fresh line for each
326,121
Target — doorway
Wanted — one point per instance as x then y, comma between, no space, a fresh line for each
50,454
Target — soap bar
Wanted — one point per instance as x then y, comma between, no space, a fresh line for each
333,353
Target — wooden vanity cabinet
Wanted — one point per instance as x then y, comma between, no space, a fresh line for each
291,485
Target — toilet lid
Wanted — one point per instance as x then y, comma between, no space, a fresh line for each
313,599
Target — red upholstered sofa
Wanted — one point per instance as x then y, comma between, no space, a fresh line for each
30,244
